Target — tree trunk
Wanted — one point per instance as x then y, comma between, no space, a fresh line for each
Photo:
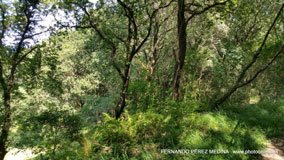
180,57
6,124
123,95
226,96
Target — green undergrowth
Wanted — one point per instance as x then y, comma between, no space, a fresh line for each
143,135
265,116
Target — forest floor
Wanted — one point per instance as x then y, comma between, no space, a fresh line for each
274,150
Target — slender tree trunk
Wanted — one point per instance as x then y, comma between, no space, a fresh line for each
180,57
123,95
6,124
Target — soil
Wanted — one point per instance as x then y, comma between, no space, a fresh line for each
274,150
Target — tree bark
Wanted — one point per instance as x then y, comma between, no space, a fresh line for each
182,22
8,82
180,57
6,123
123,95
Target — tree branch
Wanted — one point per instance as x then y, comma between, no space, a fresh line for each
195,13
258,52
25,55
151,17
19,48
280,51
238,84
102,36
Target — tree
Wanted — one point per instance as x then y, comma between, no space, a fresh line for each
242,80
132,36
194,9
18,26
